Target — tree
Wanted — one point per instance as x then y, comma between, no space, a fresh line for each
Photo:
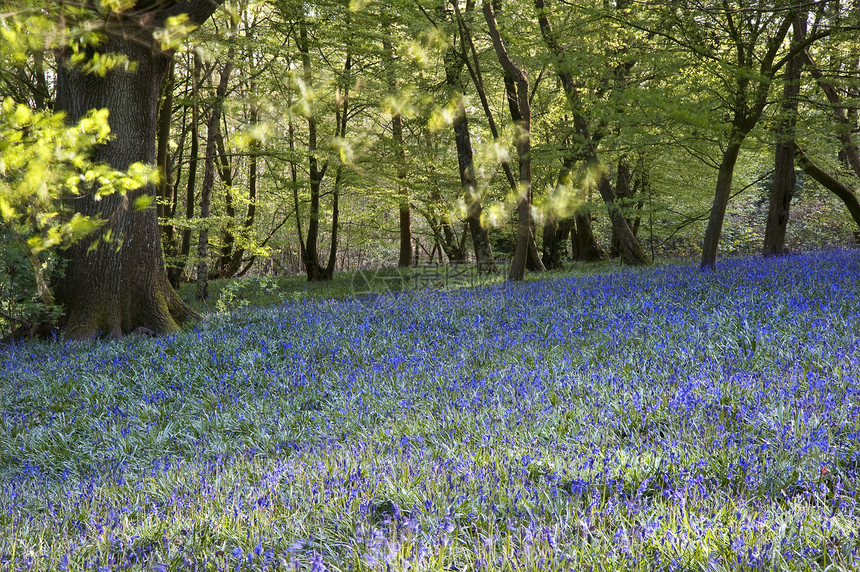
842,104
404,211
784,177
212,133
587,141
522,115
176,268
43,162
237,235
755,38
317,167
117,284
454,62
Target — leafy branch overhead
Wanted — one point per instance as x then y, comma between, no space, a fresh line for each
153,143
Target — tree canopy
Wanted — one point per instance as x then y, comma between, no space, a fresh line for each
150,143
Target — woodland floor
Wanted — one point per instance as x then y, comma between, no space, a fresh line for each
662,419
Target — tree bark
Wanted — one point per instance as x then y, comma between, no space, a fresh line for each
846,195
584,244
108,290
212,134
784,178
629,249
721,201
468,181
175,270
623,192
525,239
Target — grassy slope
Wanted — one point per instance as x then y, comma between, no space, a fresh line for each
662,419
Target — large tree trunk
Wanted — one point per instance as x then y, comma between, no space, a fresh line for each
120,285
721,201
585,246
623,192
784,178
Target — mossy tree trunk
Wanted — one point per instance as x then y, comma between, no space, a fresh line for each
115,283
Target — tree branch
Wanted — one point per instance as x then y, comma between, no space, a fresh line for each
829,182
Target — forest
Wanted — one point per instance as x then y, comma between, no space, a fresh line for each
429,285
271,138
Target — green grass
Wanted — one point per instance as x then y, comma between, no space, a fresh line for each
268,290
637,419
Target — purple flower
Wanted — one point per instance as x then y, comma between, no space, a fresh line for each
317,564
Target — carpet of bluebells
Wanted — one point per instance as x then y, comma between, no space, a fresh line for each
658,419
